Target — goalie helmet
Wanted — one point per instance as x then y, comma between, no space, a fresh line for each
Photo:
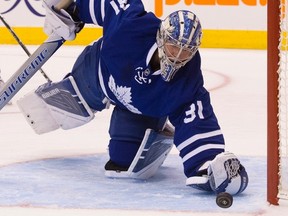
178,39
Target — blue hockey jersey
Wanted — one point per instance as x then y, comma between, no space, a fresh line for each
122,59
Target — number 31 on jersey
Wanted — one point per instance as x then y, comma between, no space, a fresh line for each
191,113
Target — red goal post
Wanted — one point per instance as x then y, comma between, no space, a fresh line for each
277,101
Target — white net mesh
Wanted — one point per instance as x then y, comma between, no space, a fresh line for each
283,102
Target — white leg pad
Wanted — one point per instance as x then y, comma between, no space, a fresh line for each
55,105
153,151
37,113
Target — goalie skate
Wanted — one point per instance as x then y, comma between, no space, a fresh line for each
153,150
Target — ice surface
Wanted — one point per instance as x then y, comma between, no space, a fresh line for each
61,173
78,182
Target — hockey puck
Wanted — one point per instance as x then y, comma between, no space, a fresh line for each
224,200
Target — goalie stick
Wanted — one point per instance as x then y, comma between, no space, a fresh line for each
29,68
22,45
33,63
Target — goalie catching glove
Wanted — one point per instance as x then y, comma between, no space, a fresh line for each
224,173
64,22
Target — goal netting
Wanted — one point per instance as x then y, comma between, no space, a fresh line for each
277,122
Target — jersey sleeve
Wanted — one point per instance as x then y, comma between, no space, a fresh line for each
107,12
198,136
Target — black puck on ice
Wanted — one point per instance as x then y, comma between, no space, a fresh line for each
224,200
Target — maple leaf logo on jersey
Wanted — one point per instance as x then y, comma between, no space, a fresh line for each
123,94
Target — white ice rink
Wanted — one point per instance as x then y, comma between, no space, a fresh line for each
237,81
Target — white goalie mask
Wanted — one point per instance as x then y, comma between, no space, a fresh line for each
178,39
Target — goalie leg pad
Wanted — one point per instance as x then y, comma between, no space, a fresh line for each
37,113
55,105
153,151
151,155
131,143
126,131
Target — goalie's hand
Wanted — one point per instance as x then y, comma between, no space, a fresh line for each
61,22
224,173
227,174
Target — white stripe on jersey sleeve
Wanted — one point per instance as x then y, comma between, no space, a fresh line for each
197,137
102,9
92,12
201,149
